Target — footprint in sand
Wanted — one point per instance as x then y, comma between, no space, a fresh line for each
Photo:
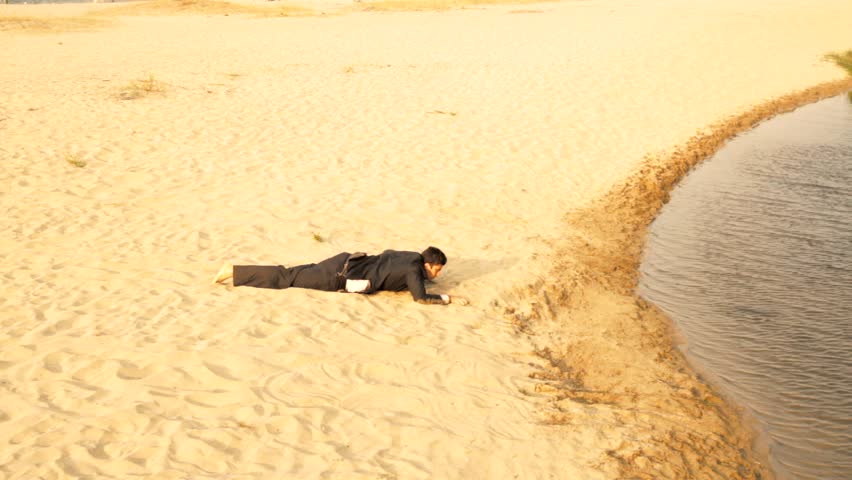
53,361
257,332
220,371
203,241
130,371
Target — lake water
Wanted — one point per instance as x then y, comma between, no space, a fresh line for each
752,259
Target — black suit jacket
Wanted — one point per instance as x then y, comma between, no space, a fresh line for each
395,271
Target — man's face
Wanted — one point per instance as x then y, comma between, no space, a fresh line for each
433,270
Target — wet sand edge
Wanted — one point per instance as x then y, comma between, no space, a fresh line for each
612,356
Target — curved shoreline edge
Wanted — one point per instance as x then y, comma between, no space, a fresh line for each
612,356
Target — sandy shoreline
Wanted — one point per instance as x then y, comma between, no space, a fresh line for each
603,275
135,162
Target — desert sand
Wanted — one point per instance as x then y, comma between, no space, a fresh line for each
531,143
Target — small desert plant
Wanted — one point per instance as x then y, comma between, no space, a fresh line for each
142,88
317,237
75,160
842,59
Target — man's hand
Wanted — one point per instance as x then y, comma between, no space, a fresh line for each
459,300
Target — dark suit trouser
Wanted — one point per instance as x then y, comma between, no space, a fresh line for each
316,276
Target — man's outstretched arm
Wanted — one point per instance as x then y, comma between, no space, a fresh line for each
418,292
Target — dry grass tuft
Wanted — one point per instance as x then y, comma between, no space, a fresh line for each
75,160
419,5
142,88
205,7
13,23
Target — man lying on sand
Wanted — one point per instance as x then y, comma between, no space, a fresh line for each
351,272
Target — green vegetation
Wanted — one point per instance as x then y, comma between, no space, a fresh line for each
842,59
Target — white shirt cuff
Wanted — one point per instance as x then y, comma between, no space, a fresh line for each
357,286
445,298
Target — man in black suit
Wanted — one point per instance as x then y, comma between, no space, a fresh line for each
351,272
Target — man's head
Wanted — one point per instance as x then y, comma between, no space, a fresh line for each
433,261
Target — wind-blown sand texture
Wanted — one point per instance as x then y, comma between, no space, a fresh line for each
139,152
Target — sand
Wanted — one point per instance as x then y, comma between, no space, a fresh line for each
139,152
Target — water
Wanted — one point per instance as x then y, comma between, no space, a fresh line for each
752,259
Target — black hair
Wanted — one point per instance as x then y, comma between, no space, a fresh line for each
434,256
